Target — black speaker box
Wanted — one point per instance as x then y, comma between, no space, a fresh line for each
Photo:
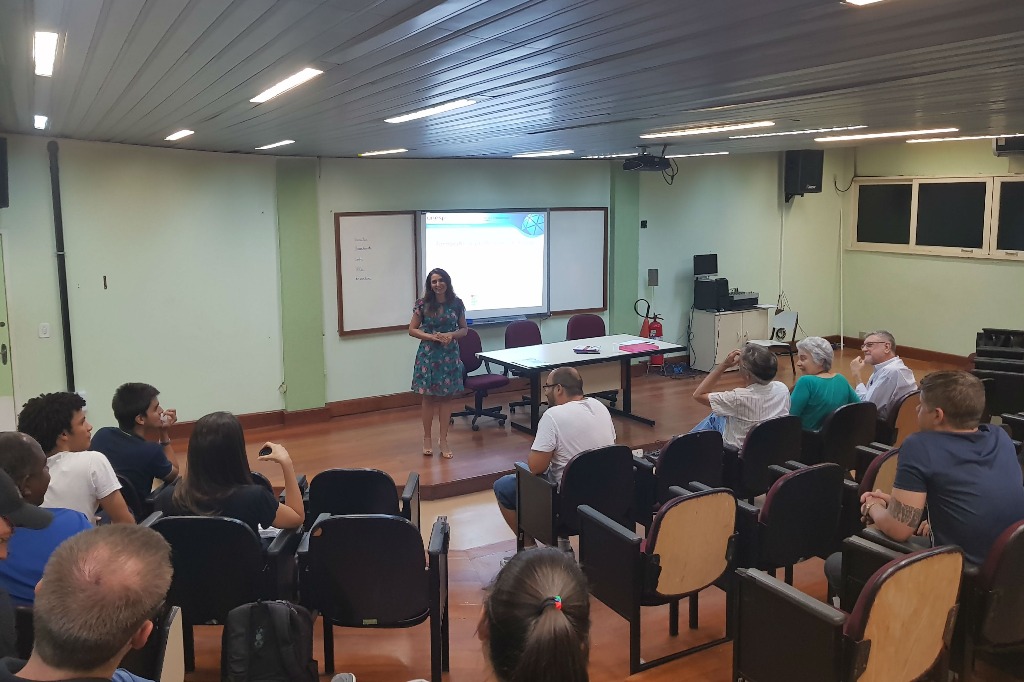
803,171
5,198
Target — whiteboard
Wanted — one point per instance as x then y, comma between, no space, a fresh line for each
376,260
577,270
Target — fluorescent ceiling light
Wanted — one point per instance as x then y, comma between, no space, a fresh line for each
384,151
439,109
276,144
860,3
609,156
957,139
286,85
532,155
40,122
44,51
178,135
680,156
707,130
871,136
797,132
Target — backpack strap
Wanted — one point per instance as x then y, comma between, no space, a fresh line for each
280,615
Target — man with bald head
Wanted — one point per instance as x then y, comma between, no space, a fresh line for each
571,424
94,603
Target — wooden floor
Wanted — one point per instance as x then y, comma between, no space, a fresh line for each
390,440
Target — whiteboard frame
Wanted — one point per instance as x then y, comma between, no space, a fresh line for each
342,331
604,261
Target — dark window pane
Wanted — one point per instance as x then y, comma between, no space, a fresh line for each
951,214
883,214
1011,217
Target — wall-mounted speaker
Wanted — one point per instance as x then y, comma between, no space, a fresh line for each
5,197
803,171
652,277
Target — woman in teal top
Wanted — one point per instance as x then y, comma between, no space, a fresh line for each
820,391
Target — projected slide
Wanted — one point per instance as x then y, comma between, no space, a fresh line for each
497,261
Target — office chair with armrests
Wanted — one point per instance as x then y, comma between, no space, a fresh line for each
480,384
517,335
783,336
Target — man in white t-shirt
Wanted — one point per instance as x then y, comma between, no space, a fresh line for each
80,479
890,379
573,423
737,411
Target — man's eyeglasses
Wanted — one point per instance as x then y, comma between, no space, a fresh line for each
868,344
549,385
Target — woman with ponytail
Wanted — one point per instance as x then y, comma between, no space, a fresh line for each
535,624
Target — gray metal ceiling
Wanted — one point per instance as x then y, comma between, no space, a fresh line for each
587,75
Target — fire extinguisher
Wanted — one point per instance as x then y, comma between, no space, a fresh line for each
651,329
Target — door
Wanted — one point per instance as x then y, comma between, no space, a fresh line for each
730,335
6,376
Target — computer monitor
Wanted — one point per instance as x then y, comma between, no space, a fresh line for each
705,264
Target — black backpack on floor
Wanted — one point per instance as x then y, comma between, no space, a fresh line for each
268,641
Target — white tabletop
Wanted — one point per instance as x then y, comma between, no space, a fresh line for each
560,353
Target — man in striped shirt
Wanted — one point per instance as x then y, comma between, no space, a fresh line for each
735,412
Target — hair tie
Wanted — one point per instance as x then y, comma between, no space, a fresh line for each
556,600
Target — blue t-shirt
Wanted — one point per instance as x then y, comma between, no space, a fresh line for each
135,458
815,398
29,550
973,481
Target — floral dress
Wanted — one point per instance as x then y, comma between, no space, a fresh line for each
438,369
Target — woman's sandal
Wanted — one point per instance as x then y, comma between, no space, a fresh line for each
446,454
428,451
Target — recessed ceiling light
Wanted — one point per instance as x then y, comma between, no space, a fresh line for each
707,130
286,85
532,155
958,139
680,156
797,132
178,135
439,109
871,136
276,144
383,151
44,51
609,156
40,122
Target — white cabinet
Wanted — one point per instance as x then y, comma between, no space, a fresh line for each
715,335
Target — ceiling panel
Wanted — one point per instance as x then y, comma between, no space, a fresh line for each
588,75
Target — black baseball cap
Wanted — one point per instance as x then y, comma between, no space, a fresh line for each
17,510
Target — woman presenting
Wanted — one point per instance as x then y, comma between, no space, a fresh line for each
438,318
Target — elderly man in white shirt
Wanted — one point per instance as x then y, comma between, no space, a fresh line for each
890,380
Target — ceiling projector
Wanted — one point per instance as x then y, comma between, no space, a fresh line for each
646,162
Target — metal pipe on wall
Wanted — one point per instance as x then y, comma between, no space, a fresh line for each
62,273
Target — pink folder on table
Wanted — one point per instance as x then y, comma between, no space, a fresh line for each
638,347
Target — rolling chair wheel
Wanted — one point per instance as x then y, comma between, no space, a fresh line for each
476,427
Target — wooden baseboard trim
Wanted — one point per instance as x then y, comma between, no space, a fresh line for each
959,361
311,416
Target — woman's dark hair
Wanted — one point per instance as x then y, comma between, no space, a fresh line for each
217,464
430,303
531,639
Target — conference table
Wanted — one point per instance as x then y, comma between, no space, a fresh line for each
534,362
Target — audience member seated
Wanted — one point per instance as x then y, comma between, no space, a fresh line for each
820,391
23,460
735,412
535,624
218,481
966,473
80,479
14,512
137,410
94,604
573,423
890,379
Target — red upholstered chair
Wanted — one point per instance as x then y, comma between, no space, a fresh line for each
691,457
480,384
842,431
773,441
517,335
584,326
601,478
797,521
895,633
688,549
